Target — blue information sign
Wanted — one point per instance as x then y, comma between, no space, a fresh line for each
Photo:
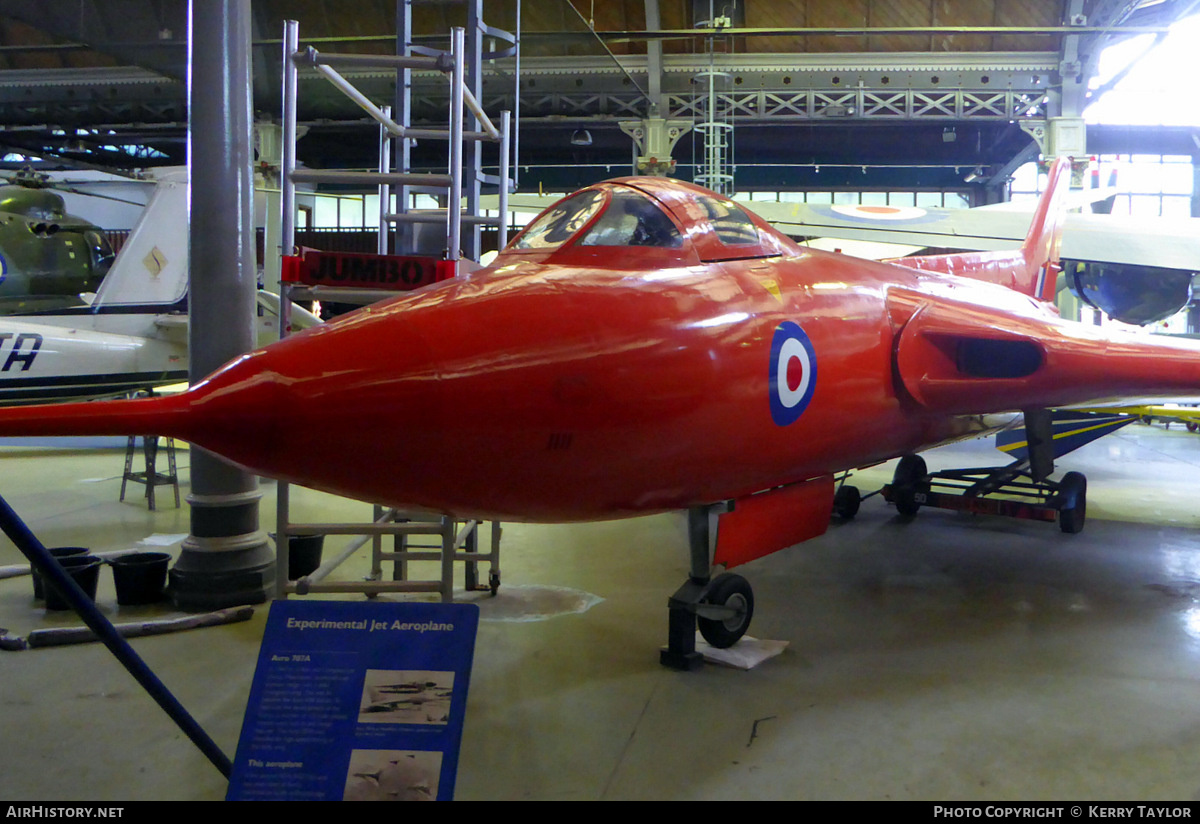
356,701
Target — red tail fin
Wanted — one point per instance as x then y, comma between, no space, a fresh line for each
1040,249
1032,270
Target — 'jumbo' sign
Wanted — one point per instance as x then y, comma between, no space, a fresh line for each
396,272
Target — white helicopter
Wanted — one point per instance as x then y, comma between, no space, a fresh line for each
132,333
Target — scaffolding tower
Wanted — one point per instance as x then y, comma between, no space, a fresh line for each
451,540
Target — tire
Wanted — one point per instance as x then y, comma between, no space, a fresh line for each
846,502
908,480
734,591
1072,508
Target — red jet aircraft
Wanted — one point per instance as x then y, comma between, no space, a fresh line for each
647,345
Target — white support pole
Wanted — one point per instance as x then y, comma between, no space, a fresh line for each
505,126
287,234
454,202
477,110
345,87
287,242
385,191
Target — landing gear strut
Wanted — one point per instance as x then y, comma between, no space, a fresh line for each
722,606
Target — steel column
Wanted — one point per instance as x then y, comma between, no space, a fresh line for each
226,559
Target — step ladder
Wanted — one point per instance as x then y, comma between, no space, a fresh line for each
150,476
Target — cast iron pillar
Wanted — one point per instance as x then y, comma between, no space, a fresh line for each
226,560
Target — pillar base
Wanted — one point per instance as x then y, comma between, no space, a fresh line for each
216,573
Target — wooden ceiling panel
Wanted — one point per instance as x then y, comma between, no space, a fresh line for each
844,14
901,14
675,14
1027,13
546,16
17,33
784,14
963,13
615,15
574,16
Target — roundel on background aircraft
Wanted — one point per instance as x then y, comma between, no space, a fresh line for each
793,373
880,212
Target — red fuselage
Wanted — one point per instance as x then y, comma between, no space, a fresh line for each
643,346
556,392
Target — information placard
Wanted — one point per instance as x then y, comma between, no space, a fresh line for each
356,701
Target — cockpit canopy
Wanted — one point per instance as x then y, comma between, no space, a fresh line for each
630,219
664,219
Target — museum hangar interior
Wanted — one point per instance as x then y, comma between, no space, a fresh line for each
958,653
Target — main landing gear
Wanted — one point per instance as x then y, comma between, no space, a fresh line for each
913,486
720,607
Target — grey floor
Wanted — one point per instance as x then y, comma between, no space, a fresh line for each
951,657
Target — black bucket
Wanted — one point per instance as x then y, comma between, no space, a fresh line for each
85,569
57,552
140,577
304,555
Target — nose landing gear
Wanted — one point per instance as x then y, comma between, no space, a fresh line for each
721,607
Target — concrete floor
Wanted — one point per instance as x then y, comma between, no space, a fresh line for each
951,657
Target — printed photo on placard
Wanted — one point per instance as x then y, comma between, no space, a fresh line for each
406,697
392,775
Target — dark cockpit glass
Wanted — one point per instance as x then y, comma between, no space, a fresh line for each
632,219
732,225
556,227
101,250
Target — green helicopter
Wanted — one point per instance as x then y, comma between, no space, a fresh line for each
48,258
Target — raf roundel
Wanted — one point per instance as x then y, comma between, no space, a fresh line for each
793,373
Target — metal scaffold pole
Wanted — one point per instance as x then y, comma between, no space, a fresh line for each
456,541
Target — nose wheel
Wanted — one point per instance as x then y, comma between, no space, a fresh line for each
724,613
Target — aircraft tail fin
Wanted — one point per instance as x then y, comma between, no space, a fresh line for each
1031,270
1040,249
152,266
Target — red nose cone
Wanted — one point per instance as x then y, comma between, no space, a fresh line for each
339,407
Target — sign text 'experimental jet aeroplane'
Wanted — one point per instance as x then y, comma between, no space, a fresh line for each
646,345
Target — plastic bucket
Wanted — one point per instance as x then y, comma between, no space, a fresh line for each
140,577
304,555
58,553
85,570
